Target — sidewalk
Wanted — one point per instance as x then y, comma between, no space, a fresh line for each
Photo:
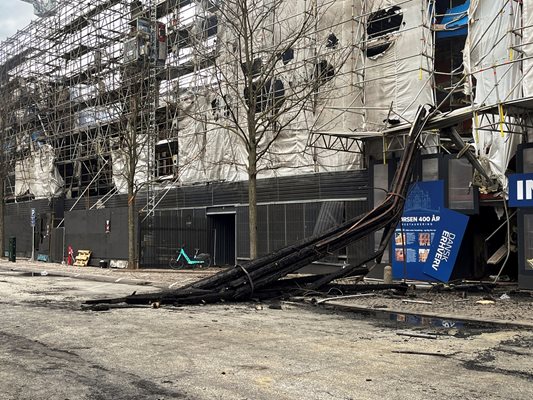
164,279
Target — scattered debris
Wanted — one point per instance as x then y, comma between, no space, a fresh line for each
351,296
501,278
505,296
422,353
485,302
416,301
465,287
417,335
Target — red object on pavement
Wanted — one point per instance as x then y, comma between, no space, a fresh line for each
70,258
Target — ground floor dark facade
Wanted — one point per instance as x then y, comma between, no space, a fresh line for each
212,217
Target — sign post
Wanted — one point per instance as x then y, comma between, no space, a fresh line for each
32,222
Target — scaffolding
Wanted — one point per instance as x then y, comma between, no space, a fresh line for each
473,61
393,72
82,85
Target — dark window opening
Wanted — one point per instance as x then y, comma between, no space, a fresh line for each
375,50
332,41
215,106
287,55
449,71
380,24
166,157
255,68
271,95
324,71
211,26
220,107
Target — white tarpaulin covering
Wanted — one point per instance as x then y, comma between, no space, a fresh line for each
120,165
400,78
488,55
339,101
527,40
209,147
37,175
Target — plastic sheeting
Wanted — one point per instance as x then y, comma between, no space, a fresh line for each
209,147
37,175
488,55
120,166
398,80
527,40
339,101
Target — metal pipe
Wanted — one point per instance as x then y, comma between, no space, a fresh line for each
460,144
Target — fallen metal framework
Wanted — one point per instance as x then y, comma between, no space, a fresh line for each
263,276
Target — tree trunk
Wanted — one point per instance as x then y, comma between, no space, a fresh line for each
132,262
252,202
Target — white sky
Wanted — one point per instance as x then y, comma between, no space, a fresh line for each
14,15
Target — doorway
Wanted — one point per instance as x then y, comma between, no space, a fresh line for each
223,238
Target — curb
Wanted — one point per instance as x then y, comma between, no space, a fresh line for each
427,318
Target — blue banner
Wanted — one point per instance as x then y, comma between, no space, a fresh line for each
521,190
415,232
422,227
446,245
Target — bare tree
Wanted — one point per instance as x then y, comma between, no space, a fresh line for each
130,150
273,61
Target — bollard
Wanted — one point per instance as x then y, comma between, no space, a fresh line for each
12,249
387,275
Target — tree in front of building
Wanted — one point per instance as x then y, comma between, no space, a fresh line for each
273,63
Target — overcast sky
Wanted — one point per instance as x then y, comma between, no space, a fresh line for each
14,15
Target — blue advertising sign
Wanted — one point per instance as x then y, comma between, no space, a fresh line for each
427,230
415,233
521,190
446,245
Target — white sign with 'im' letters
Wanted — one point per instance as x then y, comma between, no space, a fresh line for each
521,190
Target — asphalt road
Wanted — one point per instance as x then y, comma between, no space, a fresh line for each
51,349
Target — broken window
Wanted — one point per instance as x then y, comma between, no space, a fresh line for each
379,27
287,55
324,71
220,107
255,67
270,95
332,41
